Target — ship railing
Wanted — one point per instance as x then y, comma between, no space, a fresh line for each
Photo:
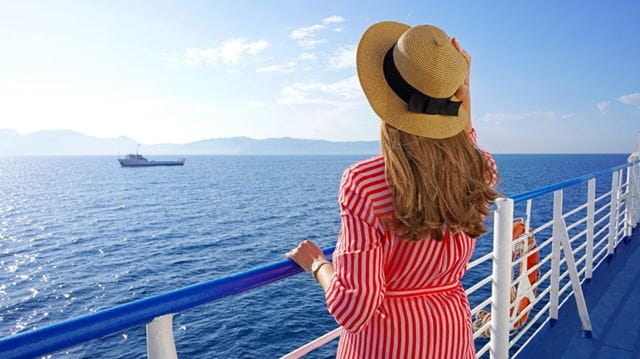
571,245
570,250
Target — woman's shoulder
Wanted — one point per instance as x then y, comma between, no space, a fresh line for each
362,173
367,166
367,179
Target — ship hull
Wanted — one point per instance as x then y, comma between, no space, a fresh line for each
138,163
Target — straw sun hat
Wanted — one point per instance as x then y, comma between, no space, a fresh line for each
410,75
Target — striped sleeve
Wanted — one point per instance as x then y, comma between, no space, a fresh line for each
492,162
473,135
357,287
494,175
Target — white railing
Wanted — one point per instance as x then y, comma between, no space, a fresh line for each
569,249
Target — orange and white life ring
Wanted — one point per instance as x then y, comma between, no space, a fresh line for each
523,291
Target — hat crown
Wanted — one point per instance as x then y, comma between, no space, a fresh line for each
418,56
426,59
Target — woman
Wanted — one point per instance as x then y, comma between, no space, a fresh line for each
410,215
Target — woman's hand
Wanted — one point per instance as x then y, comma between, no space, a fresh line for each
305,254
466,56
463,93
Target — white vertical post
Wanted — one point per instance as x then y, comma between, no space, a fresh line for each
633,194
527,221
554,293
561,236
628,205
160,343
611,246
620,199
634,198
591,207
619,204
636,193
501,284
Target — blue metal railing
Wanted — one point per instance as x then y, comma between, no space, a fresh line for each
82,329
570,182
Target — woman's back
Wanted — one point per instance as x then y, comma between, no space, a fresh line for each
395,298
409,264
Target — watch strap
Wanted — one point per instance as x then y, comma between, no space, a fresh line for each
317,269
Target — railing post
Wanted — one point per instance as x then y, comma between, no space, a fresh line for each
501,284
527,220
634,198
591,207
632,189
628,205
160,343
636,193
620,200
561,236
554,293
613,209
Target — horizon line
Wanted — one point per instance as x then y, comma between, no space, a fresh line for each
316,155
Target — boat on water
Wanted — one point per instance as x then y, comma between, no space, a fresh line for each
583,301
137,160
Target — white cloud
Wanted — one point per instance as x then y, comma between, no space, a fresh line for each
343,58
229,52
307,36
603,106
346,91
334,19
631,99
305,32
337,29
285,68
511,117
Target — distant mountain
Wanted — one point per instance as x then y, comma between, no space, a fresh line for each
64,142
268,146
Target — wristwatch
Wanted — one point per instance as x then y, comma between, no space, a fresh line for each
315,267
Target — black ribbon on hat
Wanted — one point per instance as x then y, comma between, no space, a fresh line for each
417,101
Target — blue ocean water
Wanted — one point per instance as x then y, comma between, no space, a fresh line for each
80,234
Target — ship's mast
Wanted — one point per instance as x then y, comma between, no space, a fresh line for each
138,150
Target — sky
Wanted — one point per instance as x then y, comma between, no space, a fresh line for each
546,77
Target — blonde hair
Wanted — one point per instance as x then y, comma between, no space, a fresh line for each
437,184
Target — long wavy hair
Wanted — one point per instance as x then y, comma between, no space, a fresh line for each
437,184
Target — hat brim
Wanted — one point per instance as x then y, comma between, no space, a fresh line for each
391,109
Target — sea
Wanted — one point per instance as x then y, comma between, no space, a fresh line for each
81,234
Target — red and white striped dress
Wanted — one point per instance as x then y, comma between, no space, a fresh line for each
395,299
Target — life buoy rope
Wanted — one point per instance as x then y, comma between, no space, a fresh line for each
524,292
